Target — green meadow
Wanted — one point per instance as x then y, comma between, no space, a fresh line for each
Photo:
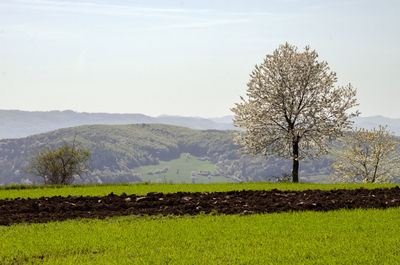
337,237
31,191
185,169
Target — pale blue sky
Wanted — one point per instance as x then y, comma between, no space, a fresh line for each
190,58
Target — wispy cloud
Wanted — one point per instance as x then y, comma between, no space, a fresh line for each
96,8
170,18
198,24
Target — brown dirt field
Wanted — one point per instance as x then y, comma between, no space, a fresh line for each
58,208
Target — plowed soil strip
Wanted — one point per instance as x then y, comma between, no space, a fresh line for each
47,209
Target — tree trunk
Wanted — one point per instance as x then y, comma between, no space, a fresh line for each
295,171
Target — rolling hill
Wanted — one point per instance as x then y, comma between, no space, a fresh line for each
17,124
142,152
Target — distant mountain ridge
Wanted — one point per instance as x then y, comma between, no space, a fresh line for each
359,122
18,124
374,121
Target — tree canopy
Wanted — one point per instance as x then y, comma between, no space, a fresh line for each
59,165
293,107
367,156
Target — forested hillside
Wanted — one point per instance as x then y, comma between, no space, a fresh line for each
119,150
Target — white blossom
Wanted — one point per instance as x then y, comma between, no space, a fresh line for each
292,107
366,156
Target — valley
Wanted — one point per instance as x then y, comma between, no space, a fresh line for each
127,153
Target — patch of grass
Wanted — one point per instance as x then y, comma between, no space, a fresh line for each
144,188
180,171
337,237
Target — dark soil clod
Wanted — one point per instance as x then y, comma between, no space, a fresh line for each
244,202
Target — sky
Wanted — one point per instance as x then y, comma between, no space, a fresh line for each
188,58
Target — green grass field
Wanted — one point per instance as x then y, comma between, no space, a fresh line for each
143,188
337,237
180,171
